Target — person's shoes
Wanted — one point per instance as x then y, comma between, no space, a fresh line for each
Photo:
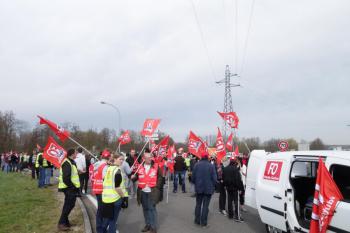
243,209
62,227
174,191
238,219
205,226
146,228
223,212
152,230
197,223
183,191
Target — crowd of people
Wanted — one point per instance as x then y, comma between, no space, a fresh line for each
116,177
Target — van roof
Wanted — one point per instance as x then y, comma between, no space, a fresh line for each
313,153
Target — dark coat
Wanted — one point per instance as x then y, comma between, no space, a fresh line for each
232,178
155,192
204,177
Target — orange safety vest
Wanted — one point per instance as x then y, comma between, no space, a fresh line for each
97,185
148,179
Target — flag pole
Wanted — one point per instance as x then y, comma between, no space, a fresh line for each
167,191
119,147
139,155
83,148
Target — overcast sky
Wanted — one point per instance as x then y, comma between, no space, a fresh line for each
61,58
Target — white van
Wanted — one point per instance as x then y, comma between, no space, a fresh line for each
281,187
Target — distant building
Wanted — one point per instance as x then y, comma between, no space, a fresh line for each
338,147
303,146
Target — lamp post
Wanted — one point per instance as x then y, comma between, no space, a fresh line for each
119,115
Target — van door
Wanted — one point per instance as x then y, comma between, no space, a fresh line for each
255,161
270,192
340,170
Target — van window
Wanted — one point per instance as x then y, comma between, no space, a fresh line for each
340,175
304,169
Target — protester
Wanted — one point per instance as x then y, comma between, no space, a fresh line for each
88,160
114,195
48,172
81,165
180,171
69,184
193,162
3,162
133,184
41,164
148,192
243,170
204,178
233,183
97,186
221,188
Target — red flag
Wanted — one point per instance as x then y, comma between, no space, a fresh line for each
229,143
220,147
160,149
170,164
195,145
326,198
171,152
236,151
58,130
124,138
149,126
231,118
54,153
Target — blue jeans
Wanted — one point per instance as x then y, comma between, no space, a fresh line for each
149,210
176,180
47,176
41,181
111,223
99,218
202,208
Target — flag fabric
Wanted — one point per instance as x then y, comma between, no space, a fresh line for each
229,143
170,165
124,138
220,147
236,153
58,130
149,126
326,198
171,152
231,118
54,153
161,148
195,145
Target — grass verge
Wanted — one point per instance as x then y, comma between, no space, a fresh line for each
26,208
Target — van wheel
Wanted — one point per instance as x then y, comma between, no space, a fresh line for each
271,229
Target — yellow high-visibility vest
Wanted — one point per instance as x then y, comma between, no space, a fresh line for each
37,165
109,194
74,177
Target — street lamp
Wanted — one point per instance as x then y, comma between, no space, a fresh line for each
119,115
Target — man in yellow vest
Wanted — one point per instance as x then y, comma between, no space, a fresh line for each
41,164
69,184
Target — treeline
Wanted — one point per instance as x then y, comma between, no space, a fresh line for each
16,135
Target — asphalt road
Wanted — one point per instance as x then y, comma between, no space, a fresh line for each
177,216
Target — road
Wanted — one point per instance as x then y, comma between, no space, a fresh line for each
176,216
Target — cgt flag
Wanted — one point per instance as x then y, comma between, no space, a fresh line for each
149,126
231,118
195,145
54,153
326,198
171,152
220,147
160,149
124,138
58,130
229,143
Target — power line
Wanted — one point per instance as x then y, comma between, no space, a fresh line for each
203,40
247,37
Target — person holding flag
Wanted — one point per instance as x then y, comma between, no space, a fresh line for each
150,181
233,183
69,184
41,164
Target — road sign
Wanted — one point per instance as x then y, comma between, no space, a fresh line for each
283,145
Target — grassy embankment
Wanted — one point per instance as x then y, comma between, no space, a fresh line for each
26,209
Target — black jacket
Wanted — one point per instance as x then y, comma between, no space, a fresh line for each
232,178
